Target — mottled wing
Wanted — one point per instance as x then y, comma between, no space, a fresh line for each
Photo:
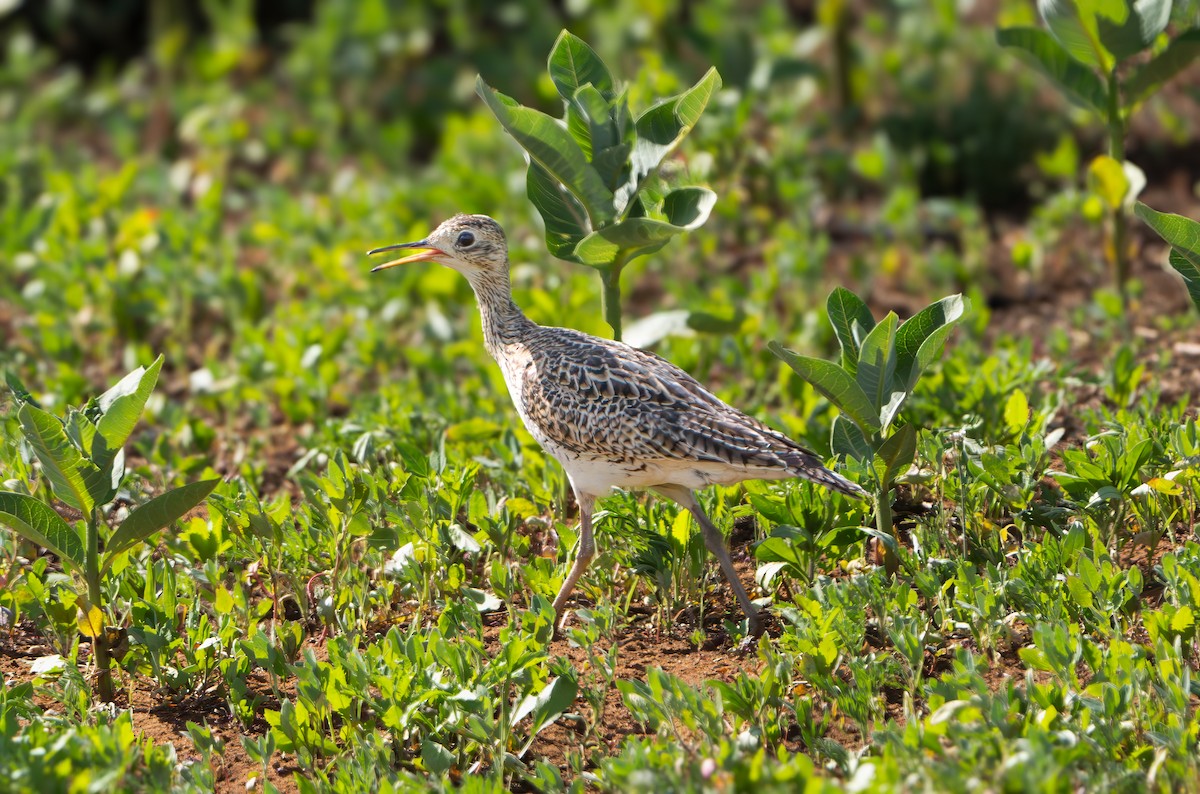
594,396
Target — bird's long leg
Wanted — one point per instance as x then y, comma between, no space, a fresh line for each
587,550
716,544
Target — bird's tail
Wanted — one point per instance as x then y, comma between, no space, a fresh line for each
812,469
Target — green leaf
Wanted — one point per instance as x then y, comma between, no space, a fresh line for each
550,145
846,438
852,321
75,479
1016,412
1190,273
686,209
565,218
39,524
20,393
1183,234
590,122
1079,592
436,758
877,364
895,455
159,512
549,704
837,385
605,145
1039,49
1102,32
1126,35
1076,28
573,64
1151,76
1088,572
919,339
660,129
121,406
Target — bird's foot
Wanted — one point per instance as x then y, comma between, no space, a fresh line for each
747,646
754,631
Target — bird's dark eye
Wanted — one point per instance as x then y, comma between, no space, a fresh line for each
466,240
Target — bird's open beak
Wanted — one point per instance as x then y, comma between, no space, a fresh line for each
425,256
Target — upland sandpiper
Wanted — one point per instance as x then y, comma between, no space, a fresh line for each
614,416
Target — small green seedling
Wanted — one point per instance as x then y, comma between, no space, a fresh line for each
1086,55
1183,235
881,363
83,458
594,175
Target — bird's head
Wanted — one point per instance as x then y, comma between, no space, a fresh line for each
474,245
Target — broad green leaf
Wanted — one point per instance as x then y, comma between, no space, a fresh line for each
121,406
1151,76
1108,181
18,390
877,363
1183,234
1101,32
594,110
1075,26
1039,48
852,321
580,130
639,236
436,758
929,351
606,133
1088,572
82,433
837,385
1079,592
1016,412
573,64
1190,272
159,512
75,479
1126,36
549,145
935,320
660,129
895,455
565,218
39,524
846,438
551,702
686,209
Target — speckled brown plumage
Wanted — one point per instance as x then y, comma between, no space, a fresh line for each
613,415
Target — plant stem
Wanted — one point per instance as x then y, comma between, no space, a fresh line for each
1116,150
611,279
883,523
95,599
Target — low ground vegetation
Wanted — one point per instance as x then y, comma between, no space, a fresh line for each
362,602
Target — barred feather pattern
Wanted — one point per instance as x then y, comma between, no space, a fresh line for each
615,415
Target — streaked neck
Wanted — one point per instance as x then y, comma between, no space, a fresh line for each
503,321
